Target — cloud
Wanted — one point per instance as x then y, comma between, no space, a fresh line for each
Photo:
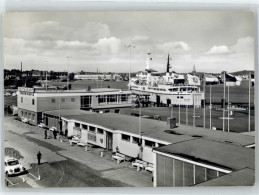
243,45
218,50
108,45
173,46
138,38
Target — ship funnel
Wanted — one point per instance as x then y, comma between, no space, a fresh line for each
148,61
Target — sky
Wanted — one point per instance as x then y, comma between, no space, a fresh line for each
214,41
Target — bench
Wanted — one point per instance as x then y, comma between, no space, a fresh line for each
149,167
139,164
119,157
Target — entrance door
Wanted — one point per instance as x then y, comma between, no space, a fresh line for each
109,141
158,100
168,102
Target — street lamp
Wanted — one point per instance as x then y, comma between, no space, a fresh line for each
68,69
130,46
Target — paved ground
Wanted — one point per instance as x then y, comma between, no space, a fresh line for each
237,123
64,165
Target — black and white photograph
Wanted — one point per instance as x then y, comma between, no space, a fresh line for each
129,99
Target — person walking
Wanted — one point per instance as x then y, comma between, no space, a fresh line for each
46,134
55,134
39,157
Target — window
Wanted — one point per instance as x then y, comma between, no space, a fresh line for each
22,113
53,100
106,111
77,124
62,99
125,137
29,117
149,143
101,99
117,111
86,101
33,117
91,128
72,99
100,131
135,140
112,98
124,97
84,126
21,99
32,101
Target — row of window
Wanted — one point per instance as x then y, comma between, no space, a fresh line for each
91,128
136,140
112,98
28,115
53,100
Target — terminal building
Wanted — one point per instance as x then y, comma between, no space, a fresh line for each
181,155
32,102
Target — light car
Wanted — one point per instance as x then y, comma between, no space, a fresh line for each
42,125
13,166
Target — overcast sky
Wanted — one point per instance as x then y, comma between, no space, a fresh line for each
213,41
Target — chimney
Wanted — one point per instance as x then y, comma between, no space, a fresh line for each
172,123
89,88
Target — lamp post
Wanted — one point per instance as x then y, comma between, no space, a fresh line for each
130,46
68,69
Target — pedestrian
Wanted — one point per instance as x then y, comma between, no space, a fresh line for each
55,134
39,157
66,133
46,134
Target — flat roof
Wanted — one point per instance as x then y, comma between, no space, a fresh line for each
70,112
216,153
120,122
243,177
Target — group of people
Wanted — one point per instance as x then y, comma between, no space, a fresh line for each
55,133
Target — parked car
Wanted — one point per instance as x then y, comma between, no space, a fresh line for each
13,166
42,125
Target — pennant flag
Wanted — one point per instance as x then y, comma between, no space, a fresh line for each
193,80
252,79
232,80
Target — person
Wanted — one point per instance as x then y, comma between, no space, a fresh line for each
55,134
66,133
39,157
46,134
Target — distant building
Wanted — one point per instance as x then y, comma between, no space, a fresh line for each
33,101
93,77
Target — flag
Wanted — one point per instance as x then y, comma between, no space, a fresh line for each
231,80
193,80
210,79
252,79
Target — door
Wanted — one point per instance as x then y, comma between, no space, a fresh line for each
158,100
109,141
168,102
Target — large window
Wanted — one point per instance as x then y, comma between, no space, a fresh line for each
125,137
86,101
124,97
111,98
84,126
77,124
101,99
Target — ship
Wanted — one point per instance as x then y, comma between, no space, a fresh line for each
167,88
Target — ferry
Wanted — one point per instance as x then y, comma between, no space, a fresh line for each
167,88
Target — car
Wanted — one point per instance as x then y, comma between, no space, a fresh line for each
42,125
13,167
25,120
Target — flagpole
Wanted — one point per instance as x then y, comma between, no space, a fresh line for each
249,103
228,108
193,110
204,85
186,114
224,102
179,110
210,106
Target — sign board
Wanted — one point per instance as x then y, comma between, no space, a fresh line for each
26,89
